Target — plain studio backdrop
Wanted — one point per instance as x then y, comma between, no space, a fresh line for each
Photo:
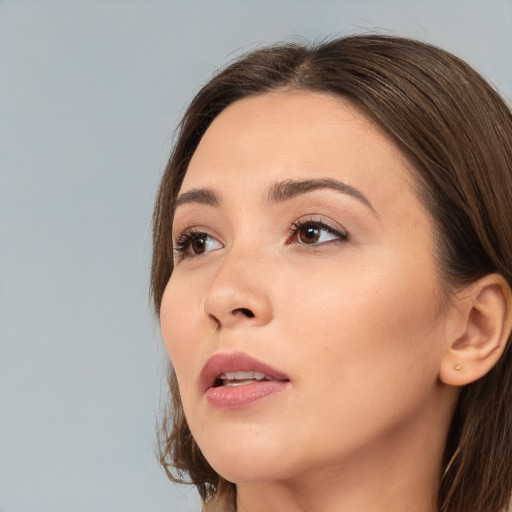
90,93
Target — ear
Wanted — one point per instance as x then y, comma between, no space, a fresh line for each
478,331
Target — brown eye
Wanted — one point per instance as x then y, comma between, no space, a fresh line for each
198,244
309,234
194,243
315,233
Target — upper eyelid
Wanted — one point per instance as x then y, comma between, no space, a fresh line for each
182,244
321,219
325,223
339,232
196,229
318,218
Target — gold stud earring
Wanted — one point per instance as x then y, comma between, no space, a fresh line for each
458,367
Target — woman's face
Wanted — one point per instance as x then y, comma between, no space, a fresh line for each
304,260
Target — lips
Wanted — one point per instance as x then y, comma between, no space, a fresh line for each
237,369
235,381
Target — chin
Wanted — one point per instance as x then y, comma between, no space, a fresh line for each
245,457
245,470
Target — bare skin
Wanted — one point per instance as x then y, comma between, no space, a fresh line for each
333,282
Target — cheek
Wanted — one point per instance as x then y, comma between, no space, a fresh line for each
180,326
381,323
367,355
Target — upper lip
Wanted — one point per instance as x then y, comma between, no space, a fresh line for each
231,362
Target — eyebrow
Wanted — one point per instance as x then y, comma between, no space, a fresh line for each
288,189
198,195
279,192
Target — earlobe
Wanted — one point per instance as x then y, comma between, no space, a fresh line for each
484,322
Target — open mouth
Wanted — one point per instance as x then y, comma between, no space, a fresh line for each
229,370
240,378
235,380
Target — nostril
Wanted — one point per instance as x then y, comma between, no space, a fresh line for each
246,312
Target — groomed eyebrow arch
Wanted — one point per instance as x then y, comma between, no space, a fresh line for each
290,188
279,192
198,195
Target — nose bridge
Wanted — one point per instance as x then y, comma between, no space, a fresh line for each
239,291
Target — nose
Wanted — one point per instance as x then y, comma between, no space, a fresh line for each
239,292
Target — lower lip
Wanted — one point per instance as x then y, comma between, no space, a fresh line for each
237,397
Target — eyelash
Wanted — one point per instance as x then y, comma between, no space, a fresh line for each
183,244
340,235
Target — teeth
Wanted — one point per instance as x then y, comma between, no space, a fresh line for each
243,376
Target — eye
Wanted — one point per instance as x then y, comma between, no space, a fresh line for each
192,243
314,232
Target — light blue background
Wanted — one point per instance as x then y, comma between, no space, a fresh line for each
90,92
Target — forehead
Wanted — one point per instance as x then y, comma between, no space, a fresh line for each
283,135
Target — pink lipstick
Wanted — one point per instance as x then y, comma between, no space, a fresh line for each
235,380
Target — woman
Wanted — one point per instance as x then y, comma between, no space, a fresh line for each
332,269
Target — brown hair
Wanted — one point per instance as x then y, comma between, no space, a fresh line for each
457,133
